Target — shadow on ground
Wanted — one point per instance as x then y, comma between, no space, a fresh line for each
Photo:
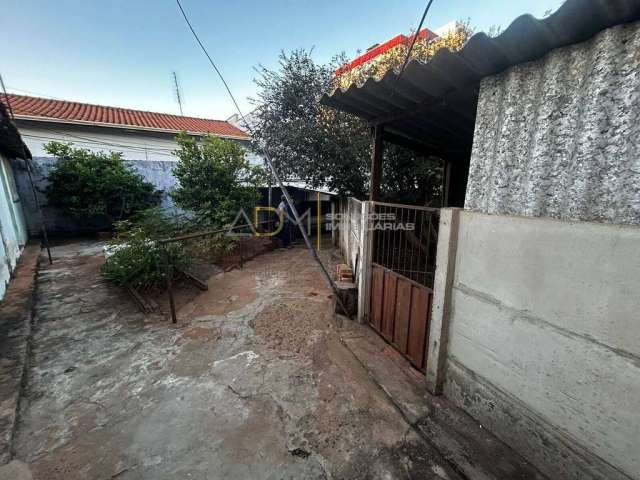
253,382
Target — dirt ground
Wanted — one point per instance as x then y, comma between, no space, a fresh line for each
253,382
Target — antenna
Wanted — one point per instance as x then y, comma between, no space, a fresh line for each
177,91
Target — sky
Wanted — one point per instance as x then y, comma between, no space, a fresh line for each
122,53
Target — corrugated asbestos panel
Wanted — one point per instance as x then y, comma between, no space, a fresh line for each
560,137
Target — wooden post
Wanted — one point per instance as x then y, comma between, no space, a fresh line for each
333,223
441,303
364,266
319,221
446,179
376,163
169,273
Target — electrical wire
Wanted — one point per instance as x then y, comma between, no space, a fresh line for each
224,82
413,42
30,92
96,143
6,97
27,159
267,158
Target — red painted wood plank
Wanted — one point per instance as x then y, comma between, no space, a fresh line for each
418,325
403,315
389,308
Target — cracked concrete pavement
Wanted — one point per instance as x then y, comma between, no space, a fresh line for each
253,382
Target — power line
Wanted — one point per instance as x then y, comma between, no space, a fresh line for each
30,92
413,42
105,142
267,158
6,96
27,159
195,35
100,141
95,143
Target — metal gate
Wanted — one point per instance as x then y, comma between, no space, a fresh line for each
404,247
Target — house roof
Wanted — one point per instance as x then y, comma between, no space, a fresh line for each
372,53
44,109
434,102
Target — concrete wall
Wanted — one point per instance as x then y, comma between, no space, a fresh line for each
560,137
157,172
544,340
13,231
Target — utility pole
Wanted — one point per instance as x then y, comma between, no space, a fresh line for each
177,91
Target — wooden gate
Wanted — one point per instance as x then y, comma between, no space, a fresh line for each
402,277
400,313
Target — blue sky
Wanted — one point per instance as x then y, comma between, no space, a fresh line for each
122,53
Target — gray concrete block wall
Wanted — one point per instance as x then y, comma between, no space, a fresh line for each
560,137
157,172
544,340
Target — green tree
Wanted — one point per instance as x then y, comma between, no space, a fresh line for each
88,184
214,178
327,148
307,141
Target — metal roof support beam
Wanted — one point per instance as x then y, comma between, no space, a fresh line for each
376,163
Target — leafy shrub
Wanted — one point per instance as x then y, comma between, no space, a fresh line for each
214,179
140,262
87,184
138,258
156,223
211,248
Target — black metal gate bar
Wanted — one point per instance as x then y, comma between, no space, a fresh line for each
403,240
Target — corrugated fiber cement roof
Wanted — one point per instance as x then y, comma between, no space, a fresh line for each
434,102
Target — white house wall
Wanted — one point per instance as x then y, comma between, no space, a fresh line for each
560,137
134,144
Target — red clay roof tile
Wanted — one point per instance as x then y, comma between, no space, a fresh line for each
63,110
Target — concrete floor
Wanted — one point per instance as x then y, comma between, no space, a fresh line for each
253,382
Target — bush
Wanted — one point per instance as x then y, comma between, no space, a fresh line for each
214,179
87,184
138,258
140,262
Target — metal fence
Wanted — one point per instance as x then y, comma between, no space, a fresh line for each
350,230
405,240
